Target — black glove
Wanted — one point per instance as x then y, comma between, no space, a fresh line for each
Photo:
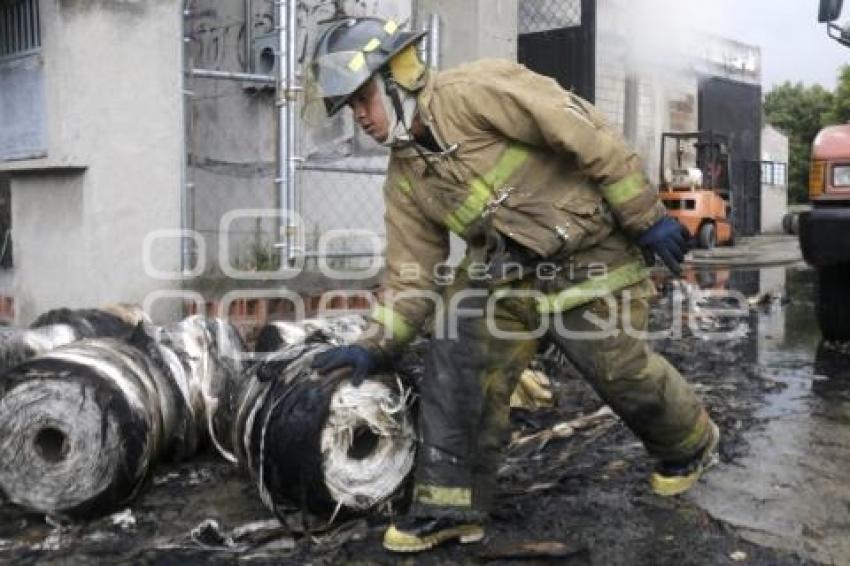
668,240
361,361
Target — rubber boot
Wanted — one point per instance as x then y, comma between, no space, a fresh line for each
673,478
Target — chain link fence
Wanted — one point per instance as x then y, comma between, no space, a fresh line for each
232,152
544,15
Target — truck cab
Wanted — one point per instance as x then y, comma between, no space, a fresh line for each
825,230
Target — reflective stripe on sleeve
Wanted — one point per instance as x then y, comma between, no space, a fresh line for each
625,189
404,185
401,330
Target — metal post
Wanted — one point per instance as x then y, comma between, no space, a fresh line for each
286,90
434,29
185,221
249,35
228,76
292,121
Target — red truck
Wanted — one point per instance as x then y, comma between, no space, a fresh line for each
825,230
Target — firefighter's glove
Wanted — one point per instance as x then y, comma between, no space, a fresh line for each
668,240
361,361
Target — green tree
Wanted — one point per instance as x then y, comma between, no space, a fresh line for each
840,111
799,112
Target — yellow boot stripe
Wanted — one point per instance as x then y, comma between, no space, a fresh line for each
696,438
441,495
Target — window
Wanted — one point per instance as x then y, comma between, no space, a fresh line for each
774,173
20,28
686,204
841,176
23,119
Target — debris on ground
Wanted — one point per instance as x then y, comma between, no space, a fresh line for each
124,520
531,550
533,391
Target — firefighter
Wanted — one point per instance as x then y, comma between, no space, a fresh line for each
559,221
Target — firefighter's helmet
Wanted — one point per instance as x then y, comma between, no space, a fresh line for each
348,52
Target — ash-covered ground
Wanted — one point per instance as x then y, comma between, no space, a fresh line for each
780,495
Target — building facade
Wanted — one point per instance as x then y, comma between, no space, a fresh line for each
122,123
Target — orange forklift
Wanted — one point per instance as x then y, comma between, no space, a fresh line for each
695,189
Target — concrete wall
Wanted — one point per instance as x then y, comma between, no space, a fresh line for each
112,171
774,198
473,29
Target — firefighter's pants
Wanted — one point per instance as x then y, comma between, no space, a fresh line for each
471,371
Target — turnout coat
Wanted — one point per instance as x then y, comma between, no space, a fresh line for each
524,157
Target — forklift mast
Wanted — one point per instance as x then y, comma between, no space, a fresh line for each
712,158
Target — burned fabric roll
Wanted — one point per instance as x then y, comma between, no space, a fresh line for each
204,355
317,442
338,330
82,426
63,326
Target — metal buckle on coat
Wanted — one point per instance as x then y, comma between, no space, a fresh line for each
497,201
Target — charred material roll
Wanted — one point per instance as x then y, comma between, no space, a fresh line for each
81,426
317,442
208,354
63,326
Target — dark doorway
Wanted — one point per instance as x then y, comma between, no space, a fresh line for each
734,109
558,39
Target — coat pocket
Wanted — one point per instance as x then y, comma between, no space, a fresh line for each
557,228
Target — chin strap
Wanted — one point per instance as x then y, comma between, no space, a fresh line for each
400,105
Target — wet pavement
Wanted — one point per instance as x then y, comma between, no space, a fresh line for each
792,489
781,494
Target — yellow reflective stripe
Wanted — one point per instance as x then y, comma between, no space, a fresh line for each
510,161
390,27
357,62
590,289
405,186
472,207
373,44
401,330
481,189
439,495
625,189
696,438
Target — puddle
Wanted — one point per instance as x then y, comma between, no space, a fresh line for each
791,490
